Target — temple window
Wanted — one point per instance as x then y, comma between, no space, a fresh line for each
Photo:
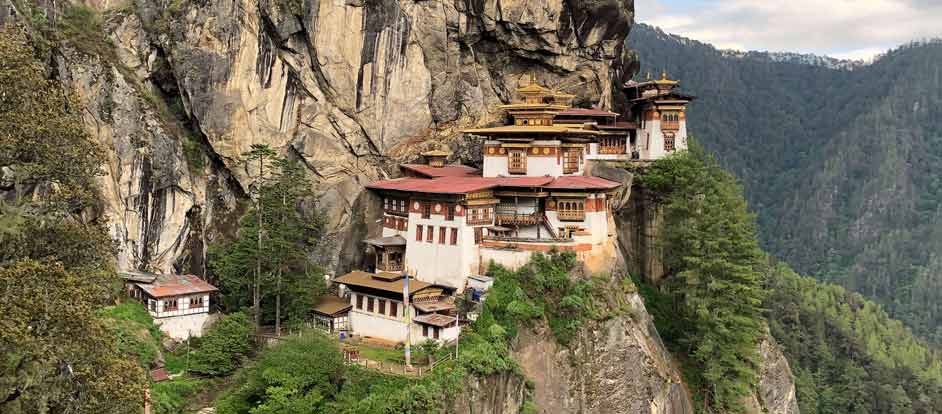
450,212
426,210
418,232
454,236
430,235
517,161
441,235
668,142
571,210
572,160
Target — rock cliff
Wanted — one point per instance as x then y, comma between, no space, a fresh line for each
350,87
618,365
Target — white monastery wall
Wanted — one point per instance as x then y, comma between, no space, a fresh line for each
437,262
375,325
495,166
538,166
182,327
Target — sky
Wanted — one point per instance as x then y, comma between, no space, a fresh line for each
846,29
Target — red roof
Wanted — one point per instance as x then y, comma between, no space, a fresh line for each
620,125
463,185
442,185
586,112
159,375
446,171
176,285
581,183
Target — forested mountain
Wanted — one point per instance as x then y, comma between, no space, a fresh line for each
843,167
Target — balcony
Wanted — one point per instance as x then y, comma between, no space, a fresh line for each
670,125
480,221
389,267
575,215
521,219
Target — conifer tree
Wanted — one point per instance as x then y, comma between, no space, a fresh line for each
709,240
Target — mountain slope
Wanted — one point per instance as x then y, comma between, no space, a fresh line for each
843,167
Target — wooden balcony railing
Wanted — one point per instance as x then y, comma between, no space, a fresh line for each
480,221
670,125
612,150
525,219
391,267
571,215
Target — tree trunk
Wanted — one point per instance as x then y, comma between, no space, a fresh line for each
256,290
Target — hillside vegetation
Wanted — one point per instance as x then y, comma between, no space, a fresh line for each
847,354
844,168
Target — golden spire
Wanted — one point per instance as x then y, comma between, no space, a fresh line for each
532,78
664,74
647,76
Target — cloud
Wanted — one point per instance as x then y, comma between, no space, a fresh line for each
847,28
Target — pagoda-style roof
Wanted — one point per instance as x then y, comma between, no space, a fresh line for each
374,281
531,129
464,185
429,171
586,112
667,96
436,153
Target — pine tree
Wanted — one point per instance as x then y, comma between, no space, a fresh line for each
709,240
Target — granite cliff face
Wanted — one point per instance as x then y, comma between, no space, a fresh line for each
350,87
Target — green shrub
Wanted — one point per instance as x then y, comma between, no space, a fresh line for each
297,376
224,347
134,330
171,397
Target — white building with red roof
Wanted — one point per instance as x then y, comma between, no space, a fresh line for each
179,304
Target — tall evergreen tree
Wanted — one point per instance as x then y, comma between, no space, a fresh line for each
710,245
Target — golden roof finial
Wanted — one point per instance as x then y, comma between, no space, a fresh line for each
532,78
647,76
664,74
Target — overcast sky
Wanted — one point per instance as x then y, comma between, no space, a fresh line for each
851,29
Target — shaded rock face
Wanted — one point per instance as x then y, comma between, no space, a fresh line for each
503,393
349,87
776,393
615,366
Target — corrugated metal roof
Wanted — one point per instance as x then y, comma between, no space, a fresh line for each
366,279
332,306
396,240
176,285
435,319
446,171
581,183
587,112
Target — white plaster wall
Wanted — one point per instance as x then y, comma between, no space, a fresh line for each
181,327
538,166
495,165
365,323
511,259
681,140
445,334
443,264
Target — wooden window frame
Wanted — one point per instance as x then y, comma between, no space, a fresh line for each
369,304
518,168
572,160
454,236
450,212
359,302
670,142
441,234
426,210
478,235
430,234
381,306
394,309
418,232
425,331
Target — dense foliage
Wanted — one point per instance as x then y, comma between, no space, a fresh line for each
847,355
56,268
307,374
225,346
716,281
266,266
843,167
